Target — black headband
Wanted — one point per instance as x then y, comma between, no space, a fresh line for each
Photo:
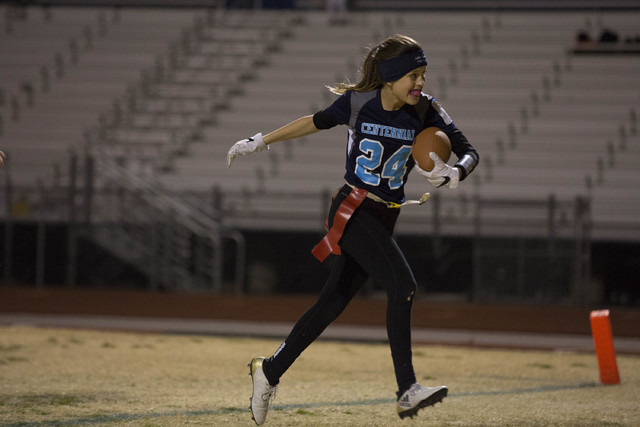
395,68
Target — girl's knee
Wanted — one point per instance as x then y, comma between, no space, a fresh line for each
405,289
411,291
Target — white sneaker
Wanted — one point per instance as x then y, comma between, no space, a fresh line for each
263,392
418,397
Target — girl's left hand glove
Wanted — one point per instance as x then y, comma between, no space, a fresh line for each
246,146
442,174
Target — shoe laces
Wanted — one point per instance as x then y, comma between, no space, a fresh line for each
270,394
415,388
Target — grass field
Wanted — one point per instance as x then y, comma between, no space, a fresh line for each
59,377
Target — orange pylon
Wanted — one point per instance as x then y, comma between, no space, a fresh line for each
603,341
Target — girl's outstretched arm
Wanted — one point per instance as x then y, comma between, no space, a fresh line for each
296,129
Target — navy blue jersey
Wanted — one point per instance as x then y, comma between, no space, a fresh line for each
379,142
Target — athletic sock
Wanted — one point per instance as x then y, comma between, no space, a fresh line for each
265,369
402,390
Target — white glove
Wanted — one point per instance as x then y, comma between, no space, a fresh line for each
246,146
442,174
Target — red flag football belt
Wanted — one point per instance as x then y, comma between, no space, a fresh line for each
329,244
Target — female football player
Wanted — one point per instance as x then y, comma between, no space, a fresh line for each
384,112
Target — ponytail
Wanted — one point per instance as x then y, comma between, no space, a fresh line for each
370,79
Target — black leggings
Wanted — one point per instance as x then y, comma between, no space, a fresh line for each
368,250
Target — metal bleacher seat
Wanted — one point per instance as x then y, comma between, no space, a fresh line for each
101,51
281,92
192,84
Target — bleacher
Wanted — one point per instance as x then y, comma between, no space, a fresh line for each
77,61
545,122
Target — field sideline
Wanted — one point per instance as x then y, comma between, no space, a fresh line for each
60,377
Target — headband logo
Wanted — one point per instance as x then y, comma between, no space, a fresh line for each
395,68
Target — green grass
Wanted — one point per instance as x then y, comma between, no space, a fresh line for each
59,377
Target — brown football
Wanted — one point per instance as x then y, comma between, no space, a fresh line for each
430,139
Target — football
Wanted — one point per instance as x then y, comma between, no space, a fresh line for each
430,139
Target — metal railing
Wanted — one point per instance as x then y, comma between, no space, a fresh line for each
176,245
176,239
520,249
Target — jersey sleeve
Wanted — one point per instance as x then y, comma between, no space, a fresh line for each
436,115
337,113
468,157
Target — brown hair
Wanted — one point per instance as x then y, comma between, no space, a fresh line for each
392,47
